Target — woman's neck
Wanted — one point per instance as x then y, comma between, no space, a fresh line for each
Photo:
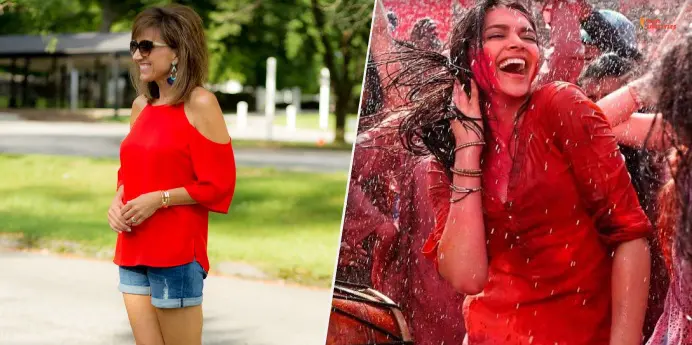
503,112
164,90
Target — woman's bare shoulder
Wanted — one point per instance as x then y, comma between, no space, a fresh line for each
205,115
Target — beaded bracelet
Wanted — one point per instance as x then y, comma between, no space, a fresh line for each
465,145
467,172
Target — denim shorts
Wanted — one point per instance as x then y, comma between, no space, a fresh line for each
169,287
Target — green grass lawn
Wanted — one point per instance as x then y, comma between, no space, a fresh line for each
303,121
278,222
312,121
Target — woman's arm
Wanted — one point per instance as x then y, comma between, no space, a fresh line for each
459,242
462,255
631,273
567,59
634,132
619,105
587,142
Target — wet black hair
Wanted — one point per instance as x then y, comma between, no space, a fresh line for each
607,65
370,106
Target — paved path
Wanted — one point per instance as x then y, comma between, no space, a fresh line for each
47,299
103,140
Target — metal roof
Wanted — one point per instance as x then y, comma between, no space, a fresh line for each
65,44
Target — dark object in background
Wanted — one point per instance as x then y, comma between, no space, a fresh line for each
608,65
611,31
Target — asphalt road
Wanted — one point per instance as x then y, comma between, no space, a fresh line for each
47,299
107,145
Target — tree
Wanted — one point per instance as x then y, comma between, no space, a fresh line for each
342,33
305,35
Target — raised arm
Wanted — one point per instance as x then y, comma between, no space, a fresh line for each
567,59
458,242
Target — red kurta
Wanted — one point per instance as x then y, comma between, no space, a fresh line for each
569,203
164,151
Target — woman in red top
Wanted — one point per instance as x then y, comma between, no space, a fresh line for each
176,165
553,250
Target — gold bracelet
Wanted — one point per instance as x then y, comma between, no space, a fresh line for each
467,172
165,199
465,145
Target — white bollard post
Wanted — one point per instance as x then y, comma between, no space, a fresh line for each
242,115
270,103
324,98
291,117
296,98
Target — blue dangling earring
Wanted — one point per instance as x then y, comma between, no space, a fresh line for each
174,72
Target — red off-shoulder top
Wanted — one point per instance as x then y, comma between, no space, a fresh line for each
569,203
164,151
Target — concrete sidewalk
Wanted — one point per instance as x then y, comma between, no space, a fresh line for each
48,299
256,129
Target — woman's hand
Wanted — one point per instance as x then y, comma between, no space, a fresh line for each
115,219
352,256
141,208
469,107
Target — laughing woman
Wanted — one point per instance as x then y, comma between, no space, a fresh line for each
536,217
176,165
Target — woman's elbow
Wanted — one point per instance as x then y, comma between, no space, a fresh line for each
468,283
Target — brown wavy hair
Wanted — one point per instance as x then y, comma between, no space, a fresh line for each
429,77
182,30
675,103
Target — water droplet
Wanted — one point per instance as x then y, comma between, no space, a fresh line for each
492,231
578,289
552,292
546,166
573,263
551,231
527,260
688,317
531,339
566,245
584,302
578,220
517,305
506,234
535,285
566,142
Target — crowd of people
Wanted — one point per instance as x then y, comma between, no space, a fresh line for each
509,188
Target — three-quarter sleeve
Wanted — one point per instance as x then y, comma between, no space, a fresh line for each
215,173
582,133
439,193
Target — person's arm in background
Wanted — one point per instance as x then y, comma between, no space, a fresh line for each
640,127
382,49
567,58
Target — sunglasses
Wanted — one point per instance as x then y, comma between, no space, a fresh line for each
145,47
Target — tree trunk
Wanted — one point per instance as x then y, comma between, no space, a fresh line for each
343,99
108,16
